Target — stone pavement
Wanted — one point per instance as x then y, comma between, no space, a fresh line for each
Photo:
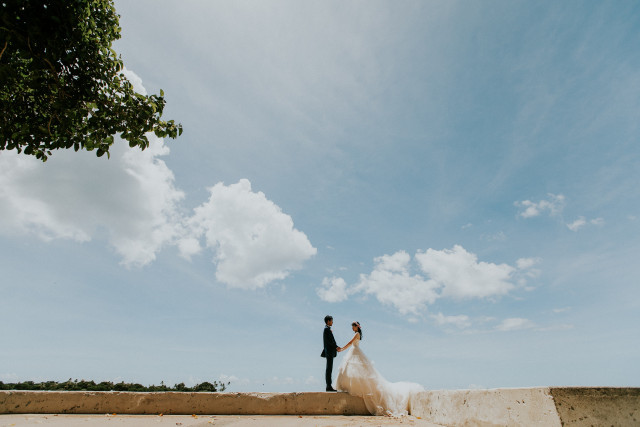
50,420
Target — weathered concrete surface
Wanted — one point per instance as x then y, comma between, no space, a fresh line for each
497,407
102,402
541,406
206,420
597,406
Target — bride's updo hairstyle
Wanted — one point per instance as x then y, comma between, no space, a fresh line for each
357,324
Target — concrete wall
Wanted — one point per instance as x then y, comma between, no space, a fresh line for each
541,406
592,406
499,407
178,403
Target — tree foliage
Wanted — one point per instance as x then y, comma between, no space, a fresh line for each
82,385
61,82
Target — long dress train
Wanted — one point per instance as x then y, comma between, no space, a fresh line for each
358,377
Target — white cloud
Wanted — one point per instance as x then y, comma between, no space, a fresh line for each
189,246
131,198
514,324
460,275
461,321
453,273
525,268
391,283
577,224
334,289
253,240
526,263
582,221
135,81
553,205
77,195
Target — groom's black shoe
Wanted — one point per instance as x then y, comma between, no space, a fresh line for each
331,389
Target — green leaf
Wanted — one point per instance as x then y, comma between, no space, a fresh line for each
43,109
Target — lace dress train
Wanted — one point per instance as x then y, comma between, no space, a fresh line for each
358,377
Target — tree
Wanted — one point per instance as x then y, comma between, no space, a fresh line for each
61,83
75,385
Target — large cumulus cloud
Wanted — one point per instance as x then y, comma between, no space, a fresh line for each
132,201
130,197
253,240
410,285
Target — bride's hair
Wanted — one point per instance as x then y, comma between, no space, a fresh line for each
359,328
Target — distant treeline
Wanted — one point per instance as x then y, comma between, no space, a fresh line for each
82,385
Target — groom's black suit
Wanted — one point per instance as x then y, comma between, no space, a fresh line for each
330,351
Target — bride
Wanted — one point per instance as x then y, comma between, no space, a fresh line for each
358,377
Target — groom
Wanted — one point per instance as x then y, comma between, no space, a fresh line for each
330,349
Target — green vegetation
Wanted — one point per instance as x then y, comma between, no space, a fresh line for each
82,385
62,84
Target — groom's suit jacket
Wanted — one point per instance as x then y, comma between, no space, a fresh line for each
330,345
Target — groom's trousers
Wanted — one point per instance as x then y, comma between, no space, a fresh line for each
327,374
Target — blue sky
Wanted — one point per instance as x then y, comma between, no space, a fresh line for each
460,177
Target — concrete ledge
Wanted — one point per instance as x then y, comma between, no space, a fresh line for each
498,407
541,406
178,403
592,406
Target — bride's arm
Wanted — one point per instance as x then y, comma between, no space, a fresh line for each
350,342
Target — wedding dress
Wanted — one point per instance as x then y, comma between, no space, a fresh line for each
358,377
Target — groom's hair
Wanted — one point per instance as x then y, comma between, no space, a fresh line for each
327,318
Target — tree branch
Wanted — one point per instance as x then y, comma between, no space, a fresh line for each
4,48
52,67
